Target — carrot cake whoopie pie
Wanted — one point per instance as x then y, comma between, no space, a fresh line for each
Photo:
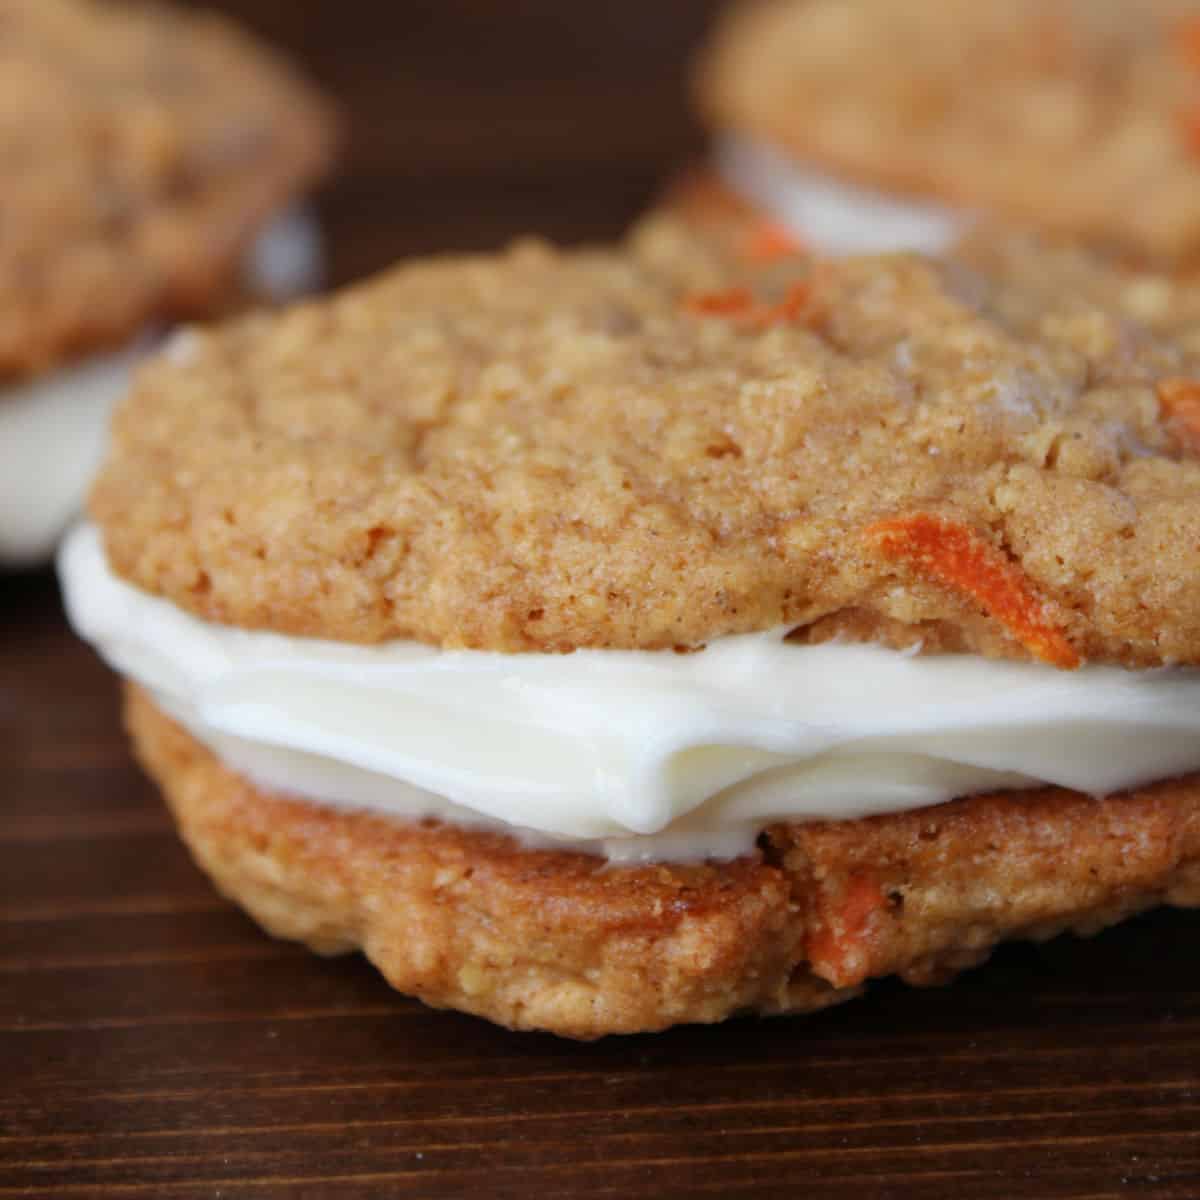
874,125
152,160
607,639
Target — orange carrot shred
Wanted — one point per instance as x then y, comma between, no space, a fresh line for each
863,897
736,301
791,308
1187,42
1180,401
768,242
960,558
739,304
1189,124
839,950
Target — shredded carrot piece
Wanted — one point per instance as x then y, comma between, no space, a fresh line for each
1189,125
1180,401
839,950
732,302
960,558
738,303
863,897
1187,42
795,305
768,242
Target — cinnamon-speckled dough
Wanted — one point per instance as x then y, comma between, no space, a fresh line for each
141,147
540,450
568,943
1075,116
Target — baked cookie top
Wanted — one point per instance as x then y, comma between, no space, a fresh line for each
140,148
656,445
1074,116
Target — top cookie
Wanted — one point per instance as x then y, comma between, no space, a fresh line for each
657,445
140,149
1072,116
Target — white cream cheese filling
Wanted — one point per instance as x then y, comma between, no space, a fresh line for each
829,214
635,755
287,259
53,428
52,437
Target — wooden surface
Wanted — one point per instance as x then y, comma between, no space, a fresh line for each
154,1043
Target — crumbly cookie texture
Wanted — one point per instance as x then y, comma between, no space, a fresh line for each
567,943
656,446
141,147
1076,116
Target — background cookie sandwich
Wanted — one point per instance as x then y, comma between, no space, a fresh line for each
151,161
610,639
891,124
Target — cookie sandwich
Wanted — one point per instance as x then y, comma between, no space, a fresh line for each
607,639
872,125
153,160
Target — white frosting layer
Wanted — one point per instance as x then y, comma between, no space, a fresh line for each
53,427
52,437
632,754
287,259
830,215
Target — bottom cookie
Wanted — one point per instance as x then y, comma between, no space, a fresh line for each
560,941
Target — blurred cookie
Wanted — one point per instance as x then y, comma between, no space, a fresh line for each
891,124
152,157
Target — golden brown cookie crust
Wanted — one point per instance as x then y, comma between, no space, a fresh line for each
567,943
659,445
1079,117
141,148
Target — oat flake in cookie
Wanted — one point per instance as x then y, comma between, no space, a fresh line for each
610,639
152,160
877,124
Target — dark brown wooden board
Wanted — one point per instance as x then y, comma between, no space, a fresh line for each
154,1043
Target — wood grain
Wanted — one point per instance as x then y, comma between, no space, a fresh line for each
154,1043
